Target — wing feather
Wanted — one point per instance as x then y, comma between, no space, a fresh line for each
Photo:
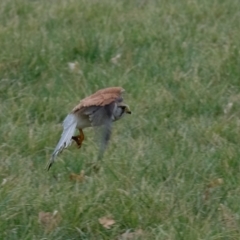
102,118
69,125
102,97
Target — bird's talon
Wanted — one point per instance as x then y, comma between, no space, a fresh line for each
78,141
79,138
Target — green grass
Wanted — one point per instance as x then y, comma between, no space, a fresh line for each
180,67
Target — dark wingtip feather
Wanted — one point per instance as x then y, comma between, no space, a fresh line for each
49,166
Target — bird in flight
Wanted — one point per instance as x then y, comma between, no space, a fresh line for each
99,109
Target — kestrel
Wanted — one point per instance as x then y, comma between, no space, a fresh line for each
99,109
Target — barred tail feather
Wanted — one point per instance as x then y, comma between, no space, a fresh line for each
69,126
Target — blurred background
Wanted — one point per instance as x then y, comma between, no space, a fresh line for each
171,170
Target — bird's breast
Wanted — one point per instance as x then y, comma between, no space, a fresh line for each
118,113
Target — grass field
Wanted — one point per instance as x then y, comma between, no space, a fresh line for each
172,168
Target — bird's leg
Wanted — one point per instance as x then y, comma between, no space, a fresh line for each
79,138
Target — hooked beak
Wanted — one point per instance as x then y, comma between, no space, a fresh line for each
127,110
125,107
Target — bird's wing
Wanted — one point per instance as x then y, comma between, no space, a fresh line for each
101,119
102,97
69,125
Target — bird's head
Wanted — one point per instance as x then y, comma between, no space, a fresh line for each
121,110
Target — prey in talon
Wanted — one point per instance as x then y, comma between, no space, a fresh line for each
100,109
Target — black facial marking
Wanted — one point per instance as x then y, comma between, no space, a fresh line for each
123,110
